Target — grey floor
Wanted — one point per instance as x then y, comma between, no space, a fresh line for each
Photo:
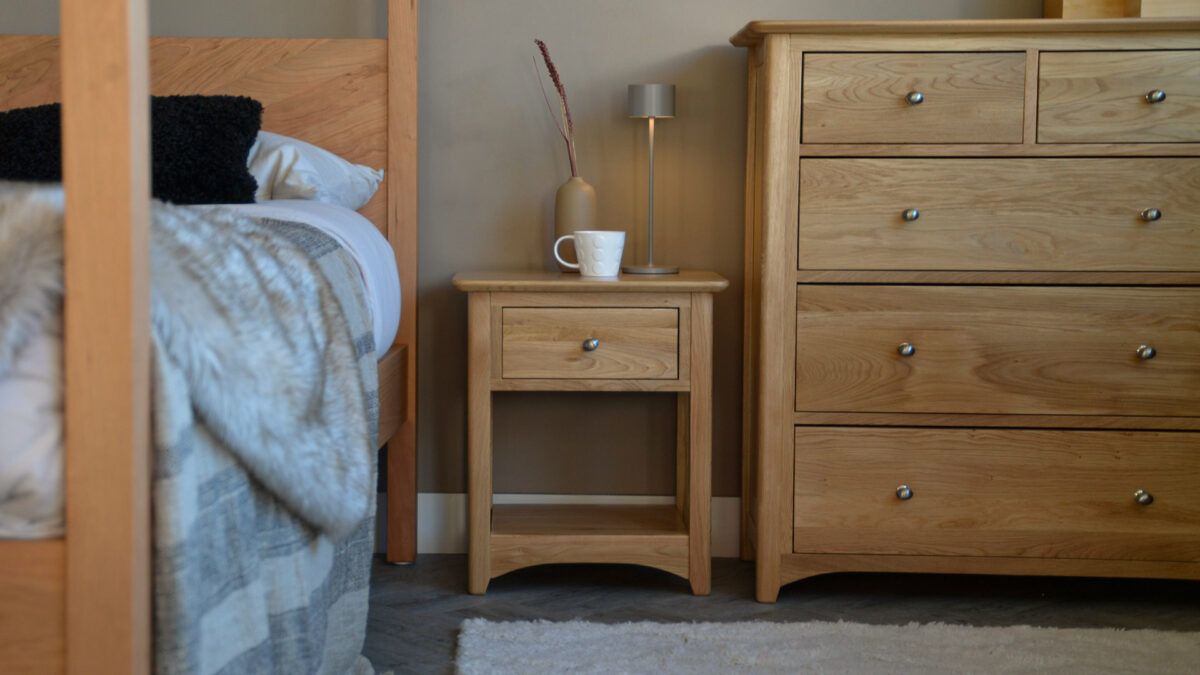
416,609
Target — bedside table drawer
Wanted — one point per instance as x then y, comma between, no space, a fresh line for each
964,98
1106,97
555,343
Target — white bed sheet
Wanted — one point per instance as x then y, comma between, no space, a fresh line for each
31,498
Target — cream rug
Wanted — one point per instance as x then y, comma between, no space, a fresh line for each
815,647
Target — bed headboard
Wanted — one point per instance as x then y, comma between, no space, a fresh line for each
332,93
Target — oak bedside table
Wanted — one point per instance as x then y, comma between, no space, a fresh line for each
546,331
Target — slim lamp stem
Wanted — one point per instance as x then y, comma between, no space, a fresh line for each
650,222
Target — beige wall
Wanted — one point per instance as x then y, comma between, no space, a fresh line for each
491,160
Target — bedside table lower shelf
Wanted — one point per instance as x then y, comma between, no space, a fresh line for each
526,535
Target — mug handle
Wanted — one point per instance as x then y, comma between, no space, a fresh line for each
557,257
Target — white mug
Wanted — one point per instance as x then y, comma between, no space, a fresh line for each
599,252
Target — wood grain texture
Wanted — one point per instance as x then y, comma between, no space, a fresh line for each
973,493
750,297
997,277
1007,214
538,281
527,535
1002,350
1161,8
393,388
802,566
401,231
479,440
106,340
1084,9
860,98
1100,97
1117,422
698,438
756,32
634,343
780,118
32,604
1001,149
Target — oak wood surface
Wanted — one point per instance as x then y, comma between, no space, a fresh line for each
1100,97
32,606
401,232
530,337
106,337
802,566
393,388
1084,9
1007,214
860,98
479,440
697,438
1029,149
975,492
1000,350
1158,8
756,32
780,52
536,281
548,342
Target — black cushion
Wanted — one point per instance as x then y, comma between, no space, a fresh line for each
198,147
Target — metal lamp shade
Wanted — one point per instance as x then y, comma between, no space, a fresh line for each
651,100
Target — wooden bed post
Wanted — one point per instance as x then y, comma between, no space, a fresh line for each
402,227
106,177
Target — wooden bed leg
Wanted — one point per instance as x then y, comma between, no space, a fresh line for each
402,495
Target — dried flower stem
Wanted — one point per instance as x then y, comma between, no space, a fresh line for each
568,133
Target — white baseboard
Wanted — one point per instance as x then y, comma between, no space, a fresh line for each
442,518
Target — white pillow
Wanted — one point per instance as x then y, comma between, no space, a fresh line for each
288,168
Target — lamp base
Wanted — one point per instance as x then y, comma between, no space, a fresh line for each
649,269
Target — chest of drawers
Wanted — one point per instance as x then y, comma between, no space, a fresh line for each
972,298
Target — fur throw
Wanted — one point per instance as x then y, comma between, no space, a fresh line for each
269,363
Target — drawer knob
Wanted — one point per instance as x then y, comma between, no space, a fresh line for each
906,349
1156,96
1151,215
1144,498
1146,352
590,344
915,97
904,493
910,215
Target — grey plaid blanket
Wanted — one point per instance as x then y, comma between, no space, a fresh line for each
264,422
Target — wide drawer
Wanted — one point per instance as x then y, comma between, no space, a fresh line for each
1097,214
1109,97
997,492
865,98
998,350
554,342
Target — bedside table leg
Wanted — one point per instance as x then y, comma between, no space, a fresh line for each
479,443
699,438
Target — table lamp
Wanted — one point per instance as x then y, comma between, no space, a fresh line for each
651,101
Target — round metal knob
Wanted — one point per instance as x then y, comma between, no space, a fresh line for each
1144,498
1156,96
1151,215
906,349
590,344
1146,352
914,97
904,493
910,215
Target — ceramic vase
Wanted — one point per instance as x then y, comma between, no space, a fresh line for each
574,210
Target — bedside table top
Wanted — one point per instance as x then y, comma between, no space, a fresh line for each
686,281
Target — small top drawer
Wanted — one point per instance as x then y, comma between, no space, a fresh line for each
1119,97
945,97
630,343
